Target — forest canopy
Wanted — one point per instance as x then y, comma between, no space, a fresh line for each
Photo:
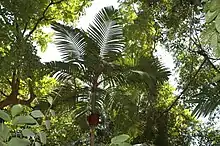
110,87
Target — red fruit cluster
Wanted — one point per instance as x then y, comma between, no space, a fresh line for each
93,119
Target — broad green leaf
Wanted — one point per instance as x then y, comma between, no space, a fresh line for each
37,144
119,139
37,114
121,144
16,109
1,139
217,50
43,137
210,16
215,5
124,144
28,133
52,112
18,142
24,120
4,116
214,40
3,144
207,33
216,78
47,123
4,131
50,100
217,23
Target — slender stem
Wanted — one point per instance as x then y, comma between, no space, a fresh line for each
93,101
92,128
92,136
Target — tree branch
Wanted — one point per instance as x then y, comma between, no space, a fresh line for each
31,91
3,94
15,84
12,98
214,58
13,81
186,88
25,28
9,82
203,53
42,17
210,62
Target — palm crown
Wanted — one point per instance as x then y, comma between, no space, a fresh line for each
89,54
103,39
93,56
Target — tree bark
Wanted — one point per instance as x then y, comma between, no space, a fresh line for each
162,137
12,99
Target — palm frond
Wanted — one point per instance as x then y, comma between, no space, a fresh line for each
146,72
63,71
107,33
70,42
62,76
206,102
154,68
63,66
140,78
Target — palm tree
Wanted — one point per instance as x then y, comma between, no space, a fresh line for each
92,62
88,56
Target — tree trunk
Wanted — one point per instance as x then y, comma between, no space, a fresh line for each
148,134
162,137
13,99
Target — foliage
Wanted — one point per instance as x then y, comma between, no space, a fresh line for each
22,127
120,140
211,32
80,51
111,69
21,25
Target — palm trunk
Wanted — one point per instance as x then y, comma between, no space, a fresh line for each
93,101
92,136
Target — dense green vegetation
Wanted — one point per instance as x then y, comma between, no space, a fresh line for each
110,88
